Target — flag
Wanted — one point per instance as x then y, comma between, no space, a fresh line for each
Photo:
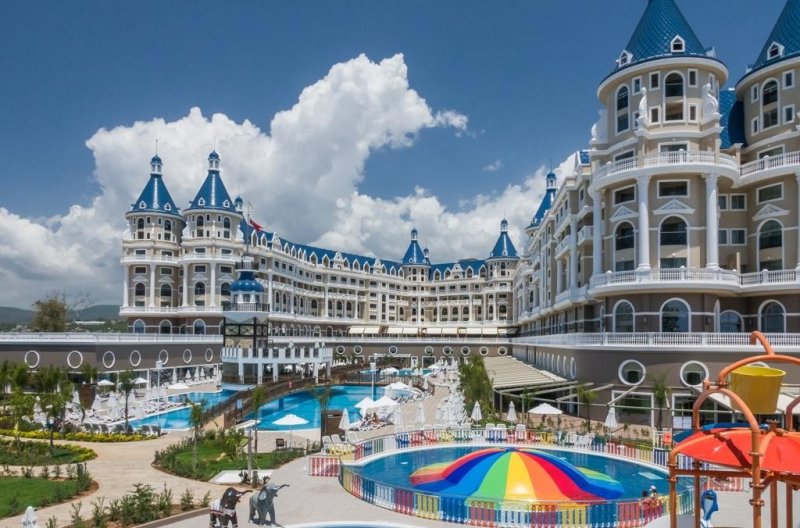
255,226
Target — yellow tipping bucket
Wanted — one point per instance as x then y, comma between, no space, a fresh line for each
759,387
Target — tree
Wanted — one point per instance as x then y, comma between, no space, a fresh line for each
196,420
55,405
661,394
6,368
526,398
87,390
323,396
21,406
257,398
50,313
587,397
126,385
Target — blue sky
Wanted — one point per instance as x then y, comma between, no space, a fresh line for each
524,74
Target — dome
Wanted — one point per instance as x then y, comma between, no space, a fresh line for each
155,159
213,155
246,283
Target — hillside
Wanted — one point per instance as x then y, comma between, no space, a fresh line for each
100,312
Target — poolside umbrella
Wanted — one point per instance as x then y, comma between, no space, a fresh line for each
290,420
76,398
512,413
419,417
179,386
515,474
611,419
731,447
188,375
425,383
390,371
174,376
397,416
344,423
105,383
476,415
364,404
140,381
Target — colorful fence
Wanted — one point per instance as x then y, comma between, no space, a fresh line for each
625,513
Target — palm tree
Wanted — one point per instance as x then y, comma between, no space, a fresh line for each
6,368
55,406
21,406
587,397
526,398
196,421
20,377
322,394
257,398
661,394
126,385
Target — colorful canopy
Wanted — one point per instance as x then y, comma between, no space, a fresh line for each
513,474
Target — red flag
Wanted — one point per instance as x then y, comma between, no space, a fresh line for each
256,226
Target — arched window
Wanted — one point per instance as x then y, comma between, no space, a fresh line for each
225,291
139,290
623,317
199,327
675,316
200,289
624,243
140,228
167,229
673,233
730,322
769,104
138,326
773,318
673,93
623,113
166,295
165,327
770,246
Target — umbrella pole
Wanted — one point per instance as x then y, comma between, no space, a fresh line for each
773,506
789,509
698,512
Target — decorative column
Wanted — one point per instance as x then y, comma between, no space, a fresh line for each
152,285
597,232
559,273
185,296
644,222
325,304
271,298
125,287
573,254
292,298
712,221
213,291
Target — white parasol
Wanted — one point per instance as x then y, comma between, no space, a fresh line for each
476,415
344,423
611,419
290,420
512,413
419,417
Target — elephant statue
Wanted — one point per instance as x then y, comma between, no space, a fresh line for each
263,503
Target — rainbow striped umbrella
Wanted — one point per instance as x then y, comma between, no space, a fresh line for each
513,474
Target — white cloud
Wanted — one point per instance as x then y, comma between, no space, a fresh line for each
495,166
302,178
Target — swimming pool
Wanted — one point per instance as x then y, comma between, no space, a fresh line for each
179,418
306,406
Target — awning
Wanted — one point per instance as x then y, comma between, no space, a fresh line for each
433,331
449,330
783,401
356,330
508,372
410,330
394,330
490,331
473,331
372,329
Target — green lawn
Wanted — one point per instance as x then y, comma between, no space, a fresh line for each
211,459
38,454
17,493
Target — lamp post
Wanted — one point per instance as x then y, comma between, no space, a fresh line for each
372,373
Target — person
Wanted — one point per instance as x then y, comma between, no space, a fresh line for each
653,494
215,514
228,503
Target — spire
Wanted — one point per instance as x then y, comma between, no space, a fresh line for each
504,248
155,197
551,180
213,161
547,201
784,39
414,256
213,194
662,31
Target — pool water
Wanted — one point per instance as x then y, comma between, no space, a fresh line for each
179,418
306,406
395,469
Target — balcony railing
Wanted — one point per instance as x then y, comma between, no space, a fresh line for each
669,340
665,159
771,162
665,275
585,234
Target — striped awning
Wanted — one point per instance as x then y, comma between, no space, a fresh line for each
507,372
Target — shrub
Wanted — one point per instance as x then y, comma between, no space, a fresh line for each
187,499
78,436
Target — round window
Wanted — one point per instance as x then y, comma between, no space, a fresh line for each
209,355
464,351
108,359
32,358
693,373
340,350
74,359
357,350
502,351
484,351
573,369
448,351
631,372
393,350
136,358
163,357
428,350
187,356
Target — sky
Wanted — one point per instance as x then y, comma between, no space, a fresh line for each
344,123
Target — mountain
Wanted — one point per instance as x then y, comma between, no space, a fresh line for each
100,312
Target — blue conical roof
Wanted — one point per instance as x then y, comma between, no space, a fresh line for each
503,248
213,194
155,197
660,23
547,201
415,256
246,283
785,33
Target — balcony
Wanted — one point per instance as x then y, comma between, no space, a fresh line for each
585,234
769,166
668,342
682,279
666,163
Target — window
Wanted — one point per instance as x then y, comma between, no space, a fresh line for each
628,194
200,268
788,79
770,193
673,85
738,202
770,236
623,317
655,79
692,77
722,200
624,238
730,322
623,121
199,327
772,318
769,104
677,45
754,94
754,126
673,232
738,237
139,270
675,316
673,262
166,271
655,114
631,372
774,51
693,373
788,114
723,237
692,112
624,265
673,188
637,85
